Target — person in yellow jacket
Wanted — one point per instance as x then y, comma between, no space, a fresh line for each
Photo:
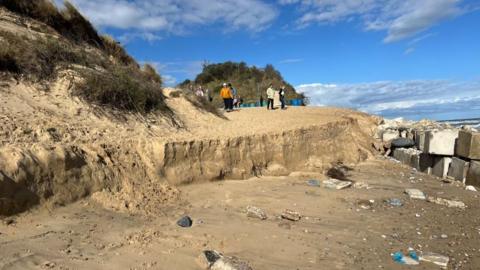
227,96
270,97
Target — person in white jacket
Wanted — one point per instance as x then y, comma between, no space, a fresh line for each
270,97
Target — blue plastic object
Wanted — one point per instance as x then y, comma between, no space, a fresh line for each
413,255
398,257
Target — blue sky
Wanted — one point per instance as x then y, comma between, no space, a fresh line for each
411,58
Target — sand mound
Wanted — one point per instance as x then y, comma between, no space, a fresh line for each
55,149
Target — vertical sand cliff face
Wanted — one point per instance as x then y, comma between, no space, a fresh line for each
307,149
63,174
55,150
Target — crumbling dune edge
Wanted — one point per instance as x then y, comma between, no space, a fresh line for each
146,171
307,149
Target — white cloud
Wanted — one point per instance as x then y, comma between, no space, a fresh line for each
413,99
169,80
401,19
150,37
178,16
174,72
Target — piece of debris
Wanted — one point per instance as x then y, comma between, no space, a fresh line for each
339,171
395,202
208,258
214,260
365,204
471,188
415,194
48,265
411,259
361,185
402,143
255,212
9,221
448,203
437,259
291,215
313,183
336,184
230,263
185,222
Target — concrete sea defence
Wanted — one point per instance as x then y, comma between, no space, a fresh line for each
438,149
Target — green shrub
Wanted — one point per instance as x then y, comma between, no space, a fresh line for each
40,58
8,62
122,88
68,22
113,48
151,74
203,104
251,82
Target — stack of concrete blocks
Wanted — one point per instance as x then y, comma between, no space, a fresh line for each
440,150
440,145
412,157
466,166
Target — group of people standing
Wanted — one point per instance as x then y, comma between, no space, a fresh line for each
230,97
271,96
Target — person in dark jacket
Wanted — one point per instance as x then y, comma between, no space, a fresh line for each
282,97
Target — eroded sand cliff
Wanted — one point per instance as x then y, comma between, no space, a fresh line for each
55,149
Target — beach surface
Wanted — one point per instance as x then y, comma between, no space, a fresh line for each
335,231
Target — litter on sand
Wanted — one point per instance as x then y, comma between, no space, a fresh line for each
411,259
415,194
435,258
448,203
336,184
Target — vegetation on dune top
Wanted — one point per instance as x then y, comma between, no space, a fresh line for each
250,81
66,40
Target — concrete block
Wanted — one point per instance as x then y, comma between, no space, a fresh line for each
420,139
441,166
402,155
440,142
459,169
422,162
389,135
473,176
468,145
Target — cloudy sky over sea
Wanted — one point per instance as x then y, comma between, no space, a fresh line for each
406,58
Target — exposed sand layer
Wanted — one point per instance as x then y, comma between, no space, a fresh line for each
56,149
335,232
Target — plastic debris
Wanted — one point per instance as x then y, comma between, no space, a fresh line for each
255,212
313,183
435,258
411,259
214,260
361,185
471,188
448,203
365,204
291,215
395,202
415,194
336,184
